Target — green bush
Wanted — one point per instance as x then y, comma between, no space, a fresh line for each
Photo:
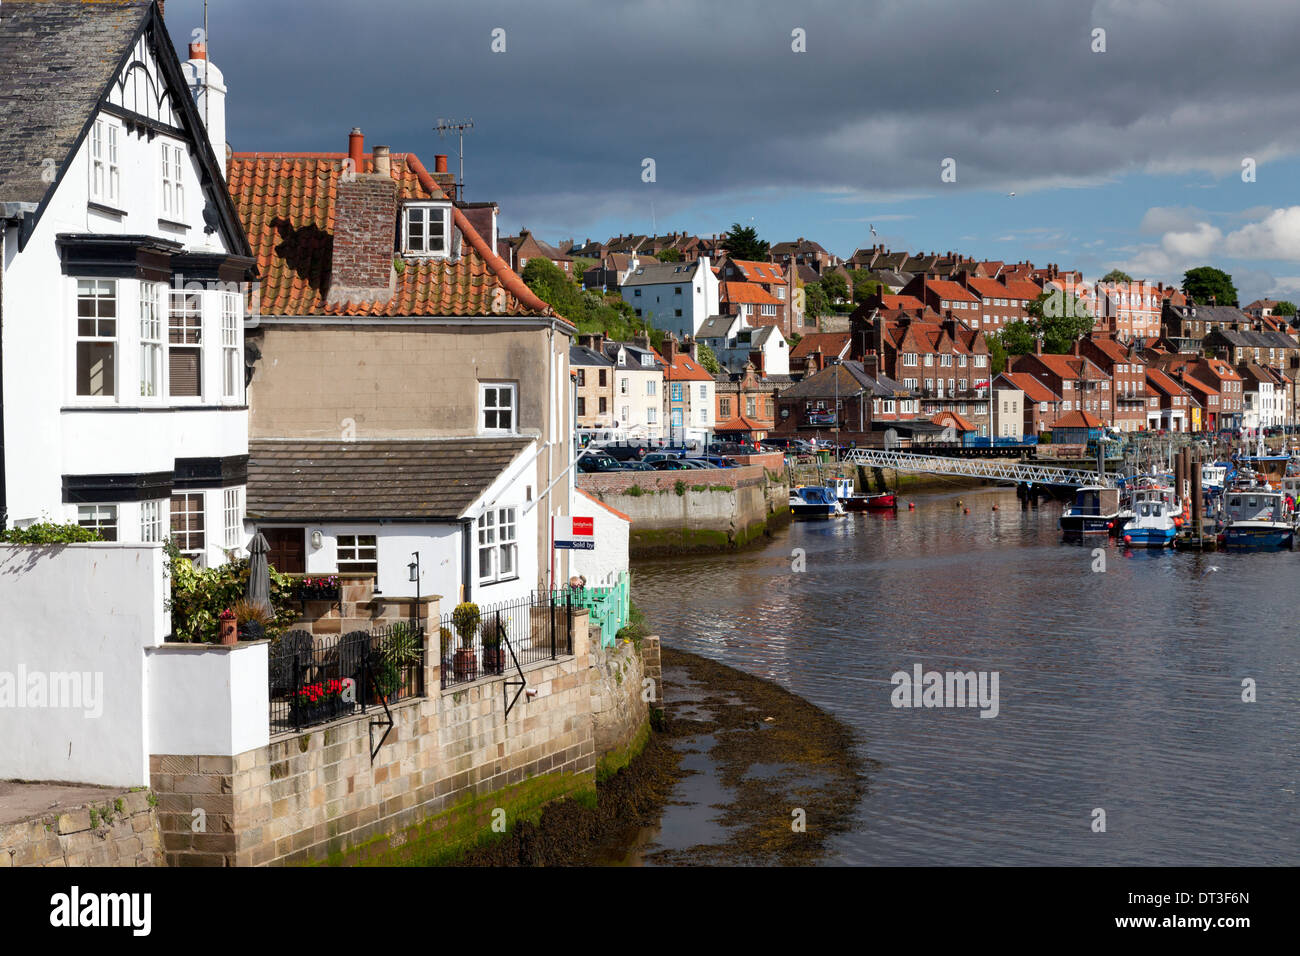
198,595
47,532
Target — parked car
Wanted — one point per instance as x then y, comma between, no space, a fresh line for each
730,448
719,461
655,456
697,463
672,464
633,452
637,466
592,463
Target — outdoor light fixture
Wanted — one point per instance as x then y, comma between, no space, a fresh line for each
414,568
315,539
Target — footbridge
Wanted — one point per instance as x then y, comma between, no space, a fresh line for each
991,469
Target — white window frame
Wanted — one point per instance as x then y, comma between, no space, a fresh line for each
357,554
105,162
173,182
187,497
498,542
185,312
151,521
419,238
92,290
101,518
232,381
153,364
485,410
231,513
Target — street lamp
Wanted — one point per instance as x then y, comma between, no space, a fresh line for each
413,568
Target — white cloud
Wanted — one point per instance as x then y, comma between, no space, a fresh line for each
1276,237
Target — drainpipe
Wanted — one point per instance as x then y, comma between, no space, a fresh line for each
466,556
4,498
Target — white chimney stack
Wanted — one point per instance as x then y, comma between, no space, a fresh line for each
208,88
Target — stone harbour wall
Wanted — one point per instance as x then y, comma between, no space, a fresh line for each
121,831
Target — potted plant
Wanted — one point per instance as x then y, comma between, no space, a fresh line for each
229,627
251,619
322,700
465,619
494,657
398,653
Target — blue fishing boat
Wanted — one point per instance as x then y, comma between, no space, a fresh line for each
1257,519
1153,525
815,501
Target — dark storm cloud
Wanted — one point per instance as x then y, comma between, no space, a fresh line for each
715,95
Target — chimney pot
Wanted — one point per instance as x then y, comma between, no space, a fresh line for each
198,51
440,163
382,161
356,149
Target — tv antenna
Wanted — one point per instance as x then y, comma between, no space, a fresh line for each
447,126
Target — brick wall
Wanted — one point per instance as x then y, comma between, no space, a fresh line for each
618,709
449,760
121,831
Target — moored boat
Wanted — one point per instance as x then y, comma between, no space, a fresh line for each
1095,510
1257,519
1153,525
815,501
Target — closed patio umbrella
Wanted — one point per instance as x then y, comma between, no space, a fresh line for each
259,572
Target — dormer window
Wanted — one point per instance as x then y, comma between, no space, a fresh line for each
424,231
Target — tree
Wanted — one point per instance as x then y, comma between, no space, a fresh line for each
997,354
864,289
1059,319
815,302
670,255
708,360
835,286
742,242
1116,275
1206,282
1016,338
1284,308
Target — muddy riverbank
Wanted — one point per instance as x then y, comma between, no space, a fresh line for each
740,772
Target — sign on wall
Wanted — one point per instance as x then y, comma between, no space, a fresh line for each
575,533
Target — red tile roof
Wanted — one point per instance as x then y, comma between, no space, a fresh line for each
286,202
831,343
952,418
759,271
750,293
1079,420
901,302
741,424
1034,390
947,289
684,369
1164,383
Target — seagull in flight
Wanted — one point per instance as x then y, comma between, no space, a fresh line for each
872,227
1208,570
1011,195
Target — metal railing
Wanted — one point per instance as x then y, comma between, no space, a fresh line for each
975,468
314,680
505,636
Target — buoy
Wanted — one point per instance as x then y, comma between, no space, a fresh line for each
911,506
995,507
1128,539
965,511
1109,525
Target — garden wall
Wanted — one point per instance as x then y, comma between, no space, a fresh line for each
448,763
675,511
75,620
121,830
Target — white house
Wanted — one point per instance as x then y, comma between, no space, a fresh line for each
638,387
122,402
734,343
676,297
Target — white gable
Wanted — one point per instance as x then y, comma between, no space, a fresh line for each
141,87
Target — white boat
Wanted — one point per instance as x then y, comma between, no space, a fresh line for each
1257,519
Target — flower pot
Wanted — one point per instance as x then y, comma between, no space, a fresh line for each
229,632
494,660
465,664
306,712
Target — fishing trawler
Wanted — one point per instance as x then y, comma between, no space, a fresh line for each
880,501
1155,512
1256,519
1095,510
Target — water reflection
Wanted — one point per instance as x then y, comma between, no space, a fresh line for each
1119,689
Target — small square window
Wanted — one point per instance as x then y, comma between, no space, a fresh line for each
358,553
426,230
497,402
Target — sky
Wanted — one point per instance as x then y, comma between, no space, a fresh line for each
1170,139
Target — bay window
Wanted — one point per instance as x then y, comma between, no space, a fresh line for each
151,358
96,338
101,518
187,524
185,345
231,377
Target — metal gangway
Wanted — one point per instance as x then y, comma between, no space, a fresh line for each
995,470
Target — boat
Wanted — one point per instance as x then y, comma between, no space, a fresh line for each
815,501
1214,478
1095,510
1153,525
1256,519
881,501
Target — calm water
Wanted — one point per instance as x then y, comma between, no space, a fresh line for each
1118,690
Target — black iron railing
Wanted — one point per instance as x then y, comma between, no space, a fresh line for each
505,635
313,680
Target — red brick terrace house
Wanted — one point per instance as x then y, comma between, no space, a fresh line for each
852,403
1080,382
1127,370
943,360
408,392
816,350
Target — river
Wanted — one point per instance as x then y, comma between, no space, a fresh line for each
1119,690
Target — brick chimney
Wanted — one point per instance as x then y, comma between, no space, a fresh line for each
758,360
670,349
365,224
